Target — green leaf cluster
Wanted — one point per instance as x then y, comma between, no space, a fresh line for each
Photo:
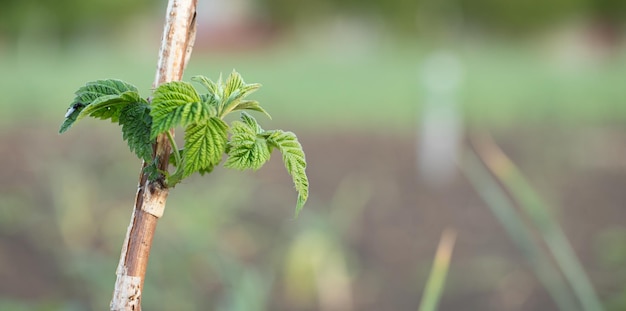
207,136
250,147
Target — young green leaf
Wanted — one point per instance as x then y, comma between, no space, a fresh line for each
216,92
176,103
234,83
251,123
237,88
92,90
210,103
228,96
204,145
211,86
109,106
294,159
235,91
88,93
70,116
136,122
246,148
251,105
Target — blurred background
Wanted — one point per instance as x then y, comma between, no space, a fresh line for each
387,98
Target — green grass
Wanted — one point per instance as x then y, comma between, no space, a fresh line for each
508,189
320,86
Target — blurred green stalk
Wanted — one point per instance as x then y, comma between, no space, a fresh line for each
503,209
538,212
437,278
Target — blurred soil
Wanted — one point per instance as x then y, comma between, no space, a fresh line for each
393,236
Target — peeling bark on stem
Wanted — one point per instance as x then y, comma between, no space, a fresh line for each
176,45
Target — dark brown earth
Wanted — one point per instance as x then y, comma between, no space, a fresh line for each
390,223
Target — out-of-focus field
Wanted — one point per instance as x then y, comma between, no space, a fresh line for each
366,239
355,87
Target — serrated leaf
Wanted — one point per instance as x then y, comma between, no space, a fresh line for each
211,86
251,123
248,154
206,170
234,83
92,90
247,149
294,160
176,103
88,93
229,95
235,91
136,122
251,105
204,145
70,116
109,106
184,115
216,91
175,93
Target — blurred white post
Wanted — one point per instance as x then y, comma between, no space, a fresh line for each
441,121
